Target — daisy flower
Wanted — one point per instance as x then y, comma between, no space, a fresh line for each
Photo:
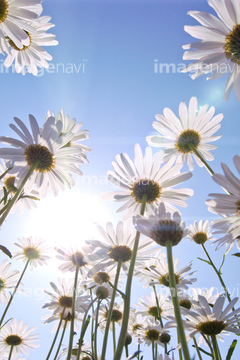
8,281
211,321
62,296
228,238
117,245
117,315
147,178
101,277
193,130
159,275
14,21
227,204
151,261
70,125
45,150
32,55
160,227
207,293
136,321
200,232
218,51
85,350
73,257
35,251
11,183
147,306
16,337
151,333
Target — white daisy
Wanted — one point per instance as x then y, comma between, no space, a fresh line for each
159,275
147,306
44,149
136,321
151,334
70,125
11,183
75,257
117,245
211,320
151,261
36,251
227,204
160,227
228,238
15,334
147,177
14,21
200,232
32,56
8,281
117,315
218,51
101,277
61,298
193,129
85,351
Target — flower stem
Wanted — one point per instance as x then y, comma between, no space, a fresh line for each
159,314
126,350
109,316
61,339
175,302
56,335
202,159
153,352
218,274
83,328
123,332
73,314
215,347
10,352
96,328
114,336
17,194
14,292
197,348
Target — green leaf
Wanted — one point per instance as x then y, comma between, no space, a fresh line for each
220,273
134,355
29,197
5,172
204,351
5,250
236,254
204,260
231,350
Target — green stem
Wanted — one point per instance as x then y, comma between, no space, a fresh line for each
159,314
179,350
73,314
14,291
215,347
61,339
109,316
126,350
123,332
175,301
218,274
56,335
96,328
17,194
92,323
197,348
114,336
153,352
202,159
10,352
83,329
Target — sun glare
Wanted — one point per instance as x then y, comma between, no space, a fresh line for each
68,219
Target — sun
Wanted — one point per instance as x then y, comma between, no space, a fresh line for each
68,219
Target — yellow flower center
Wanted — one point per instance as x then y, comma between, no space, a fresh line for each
39,154
120,252
153,311
146,187
3,10
116,315
13,340
164,279
65,301
102,292
185,303
167,230
187,140
2,284
232,45
77,259
31,253
101,277
152,335
200,237
211,327
13,45
9,184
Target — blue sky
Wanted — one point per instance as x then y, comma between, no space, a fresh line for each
103,73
